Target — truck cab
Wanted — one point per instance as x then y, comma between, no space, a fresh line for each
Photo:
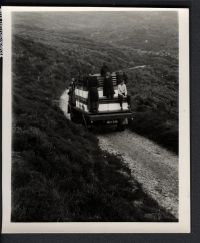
108,110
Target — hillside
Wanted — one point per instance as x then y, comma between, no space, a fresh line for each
59,174
153,30
154,91
122,41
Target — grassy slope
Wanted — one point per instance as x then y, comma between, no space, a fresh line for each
154,89
154,92
151,30
58,171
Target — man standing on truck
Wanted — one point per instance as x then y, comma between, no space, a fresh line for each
118,77
108,89
104,69
93,95
122,93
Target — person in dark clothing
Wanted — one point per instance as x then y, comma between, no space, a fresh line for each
108,89
105,69
93,98
93,95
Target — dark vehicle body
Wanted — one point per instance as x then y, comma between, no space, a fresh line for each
109,111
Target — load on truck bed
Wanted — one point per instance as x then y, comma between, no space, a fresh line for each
108,110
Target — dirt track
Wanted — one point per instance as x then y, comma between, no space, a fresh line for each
155,168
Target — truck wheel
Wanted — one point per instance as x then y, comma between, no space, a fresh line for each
75,117
90,128
120,126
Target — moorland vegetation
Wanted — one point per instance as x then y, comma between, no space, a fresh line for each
58,171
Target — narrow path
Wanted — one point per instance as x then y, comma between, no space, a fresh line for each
155,168
135,67
152,166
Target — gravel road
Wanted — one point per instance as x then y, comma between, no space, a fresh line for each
155,168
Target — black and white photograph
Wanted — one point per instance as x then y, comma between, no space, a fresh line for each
95,120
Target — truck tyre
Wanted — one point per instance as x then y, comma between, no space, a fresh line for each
75,117
120,126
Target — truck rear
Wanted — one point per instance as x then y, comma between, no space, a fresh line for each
108,112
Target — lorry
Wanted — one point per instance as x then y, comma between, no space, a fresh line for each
108,112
